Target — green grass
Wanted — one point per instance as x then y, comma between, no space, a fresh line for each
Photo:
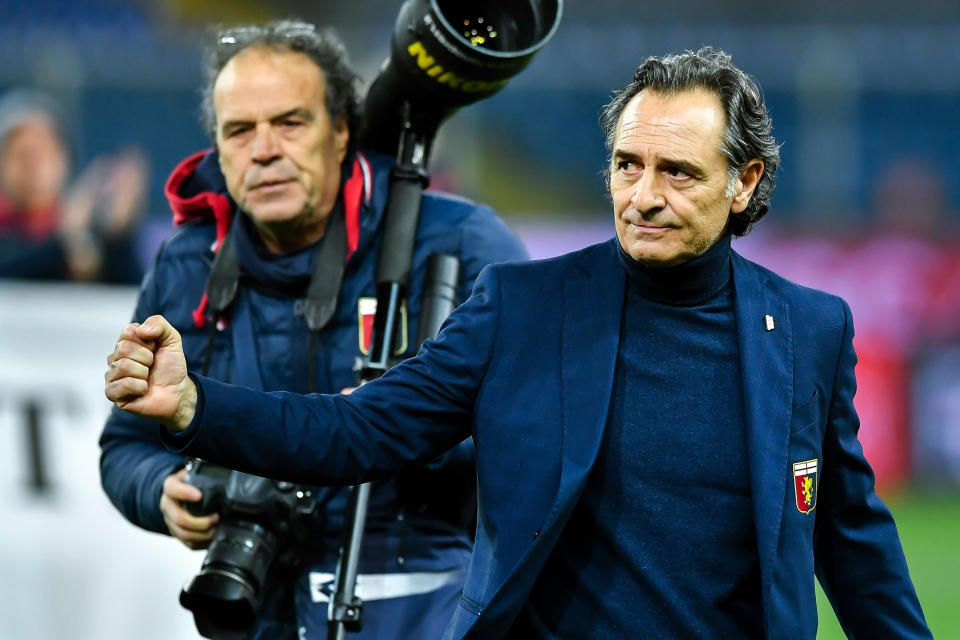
929,528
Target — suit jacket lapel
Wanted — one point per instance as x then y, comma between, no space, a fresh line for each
592,305
766,361
593,292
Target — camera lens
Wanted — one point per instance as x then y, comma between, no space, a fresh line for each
497,25
224,595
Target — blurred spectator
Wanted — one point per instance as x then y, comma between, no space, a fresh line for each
49,232
911,197
916,233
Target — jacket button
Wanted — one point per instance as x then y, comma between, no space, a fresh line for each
536,534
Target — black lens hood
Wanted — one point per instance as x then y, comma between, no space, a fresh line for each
446,54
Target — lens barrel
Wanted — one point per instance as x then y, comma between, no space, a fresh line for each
440,294
224,595
445,54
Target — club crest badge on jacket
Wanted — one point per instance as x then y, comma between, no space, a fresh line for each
366,310
805,484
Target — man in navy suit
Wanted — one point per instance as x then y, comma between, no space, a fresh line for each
665,433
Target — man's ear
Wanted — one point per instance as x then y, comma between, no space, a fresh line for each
746,184
341,137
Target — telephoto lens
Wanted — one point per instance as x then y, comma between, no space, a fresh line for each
439,294
446,54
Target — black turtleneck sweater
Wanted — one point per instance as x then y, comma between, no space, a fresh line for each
661,543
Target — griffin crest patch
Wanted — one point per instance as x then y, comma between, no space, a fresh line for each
366,310
805,484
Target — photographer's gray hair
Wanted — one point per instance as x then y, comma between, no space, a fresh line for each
320,45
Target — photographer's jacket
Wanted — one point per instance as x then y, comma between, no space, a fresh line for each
414,526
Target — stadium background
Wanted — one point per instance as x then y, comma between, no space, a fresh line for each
865,98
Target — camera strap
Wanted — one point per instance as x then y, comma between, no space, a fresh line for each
322,292
221,289
224,278
324,289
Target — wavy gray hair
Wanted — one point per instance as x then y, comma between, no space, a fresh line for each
320,45
748,133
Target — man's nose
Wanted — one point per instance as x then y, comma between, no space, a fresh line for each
265,145
648,192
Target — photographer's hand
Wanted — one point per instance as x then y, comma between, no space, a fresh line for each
193,531
147,374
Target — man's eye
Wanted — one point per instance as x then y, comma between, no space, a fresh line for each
291,123
233,132
678,173
627,166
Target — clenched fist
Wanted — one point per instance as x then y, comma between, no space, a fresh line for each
147,374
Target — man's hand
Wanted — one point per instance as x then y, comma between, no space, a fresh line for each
147,374
193,531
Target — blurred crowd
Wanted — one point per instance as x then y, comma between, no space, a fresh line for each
57,223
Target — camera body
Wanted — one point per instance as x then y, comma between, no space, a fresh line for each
262,521
233,492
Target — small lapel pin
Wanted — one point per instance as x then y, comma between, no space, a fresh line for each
768,319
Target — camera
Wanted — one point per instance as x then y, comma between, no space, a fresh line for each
262,521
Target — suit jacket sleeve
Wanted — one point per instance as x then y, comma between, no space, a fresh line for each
416,411
859,560
483,239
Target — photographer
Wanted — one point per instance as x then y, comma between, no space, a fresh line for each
280,105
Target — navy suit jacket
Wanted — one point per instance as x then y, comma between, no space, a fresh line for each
526,367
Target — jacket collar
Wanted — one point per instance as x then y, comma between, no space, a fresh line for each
196,189
766,361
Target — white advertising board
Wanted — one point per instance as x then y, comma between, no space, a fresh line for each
70,565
